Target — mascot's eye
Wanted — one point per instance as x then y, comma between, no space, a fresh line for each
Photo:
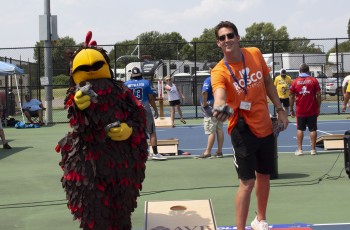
88,68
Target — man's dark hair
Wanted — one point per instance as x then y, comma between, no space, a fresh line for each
227,24
304,68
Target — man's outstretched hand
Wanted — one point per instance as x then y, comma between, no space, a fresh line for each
222,113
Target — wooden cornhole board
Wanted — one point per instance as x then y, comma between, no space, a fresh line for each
296,228
167,146
164,122
190,214
334,141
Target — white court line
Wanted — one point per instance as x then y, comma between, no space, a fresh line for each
325,132
331,224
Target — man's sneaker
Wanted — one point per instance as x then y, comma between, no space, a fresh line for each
259,225
313,152
7,146
298,152
158,157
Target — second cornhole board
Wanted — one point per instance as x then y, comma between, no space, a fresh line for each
166,146
334,141
164,122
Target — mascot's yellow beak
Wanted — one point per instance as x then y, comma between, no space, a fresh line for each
89,64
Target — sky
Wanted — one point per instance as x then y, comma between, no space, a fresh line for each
114,21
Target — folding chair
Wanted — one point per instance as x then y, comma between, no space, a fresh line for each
35,115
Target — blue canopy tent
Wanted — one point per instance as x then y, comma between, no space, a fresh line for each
11,69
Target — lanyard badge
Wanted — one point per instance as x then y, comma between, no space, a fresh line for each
244,105
245,77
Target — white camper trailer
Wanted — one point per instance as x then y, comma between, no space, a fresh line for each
343,62
158,69
294,60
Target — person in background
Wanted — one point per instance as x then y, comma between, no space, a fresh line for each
241,82
282,83
5,143
144,93
346,98
212,127
33,107
345,87
345,84
174,95
306,93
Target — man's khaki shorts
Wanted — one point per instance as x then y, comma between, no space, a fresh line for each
211,124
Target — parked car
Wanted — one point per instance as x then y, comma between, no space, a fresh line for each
333,86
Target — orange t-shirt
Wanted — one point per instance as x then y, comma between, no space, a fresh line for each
258,117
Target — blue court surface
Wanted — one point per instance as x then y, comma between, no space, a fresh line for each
193,140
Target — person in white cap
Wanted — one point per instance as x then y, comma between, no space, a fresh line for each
282,84
143,92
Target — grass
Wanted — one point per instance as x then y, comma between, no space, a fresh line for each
310,189
58,93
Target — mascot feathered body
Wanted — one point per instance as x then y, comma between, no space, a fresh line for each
104,156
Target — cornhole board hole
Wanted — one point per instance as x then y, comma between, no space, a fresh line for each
335,141
190,214
163,122
166,146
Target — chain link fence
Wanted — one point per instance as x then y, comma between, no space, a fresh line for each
188,69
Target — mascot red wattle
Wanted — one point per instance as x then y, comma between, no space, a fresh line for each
104,156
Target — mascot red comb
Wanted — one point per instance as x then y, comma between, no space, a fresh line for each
104,156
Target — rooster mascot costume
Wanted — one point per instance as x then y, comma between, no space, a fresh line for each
104,156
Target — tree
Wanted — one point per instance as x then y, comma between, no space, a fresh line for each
174,44
303,45
187,52
206,47
268,39
161,46
342,47
60,61
153,45
122,53
265,36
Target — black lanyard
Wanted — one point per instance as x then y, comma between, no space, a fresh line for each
245,77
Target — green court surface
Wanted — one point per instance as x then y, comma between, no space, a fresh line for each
310,189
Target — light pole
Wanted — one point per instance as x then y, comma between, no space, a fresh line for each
320,46
48,62
48,33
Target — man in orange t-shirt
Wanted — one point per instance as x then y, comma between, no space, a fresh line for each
241,82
